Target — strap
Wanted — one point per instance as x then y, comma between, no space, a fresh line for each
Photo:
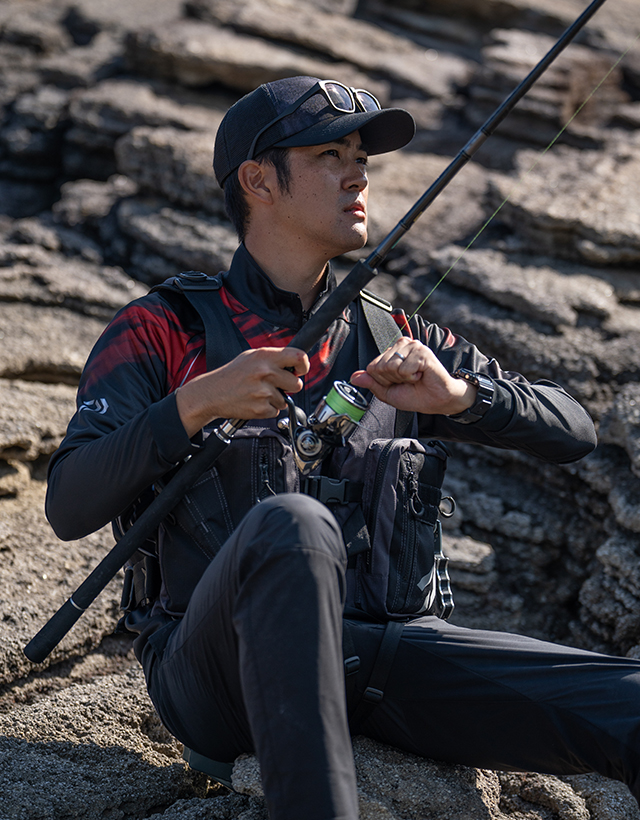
332,490
385,332
351,662
223,341
444,594
374,693
377,312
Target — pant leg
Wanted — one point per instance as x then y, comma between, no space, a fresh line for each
256,663
507,702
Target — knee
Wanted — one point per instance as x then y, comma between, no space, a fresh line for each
298,520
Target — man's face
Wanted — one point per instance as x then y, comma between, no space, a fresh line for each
326,205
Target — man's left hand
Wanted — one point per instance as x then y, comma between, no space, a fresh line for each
409,376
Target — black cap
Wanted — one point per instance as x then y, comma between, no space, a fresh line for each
313,123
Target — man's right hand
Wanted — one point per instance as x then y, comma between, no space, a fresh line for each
246,388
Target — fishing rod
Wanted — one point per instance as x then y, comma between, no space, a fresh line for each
312,331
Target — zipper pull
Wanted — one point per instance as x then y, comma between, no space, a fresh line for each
266,489
415,502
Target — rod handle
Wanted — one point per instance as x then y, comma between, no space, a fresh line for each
52,632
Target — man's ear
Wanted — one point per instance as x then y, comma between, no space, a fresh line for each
256,180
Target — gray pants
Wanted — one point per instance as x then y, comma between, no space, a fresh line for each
256,665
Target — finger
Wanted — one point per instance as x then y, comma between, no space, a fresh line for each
391,370
292,357
287,381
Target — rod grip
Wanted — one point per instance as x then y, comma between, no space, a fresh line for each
52,632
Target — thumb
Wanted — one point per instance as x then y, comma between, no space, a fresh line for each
360,378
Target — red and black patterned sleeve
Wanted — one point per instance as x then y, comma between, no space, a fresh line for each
126,431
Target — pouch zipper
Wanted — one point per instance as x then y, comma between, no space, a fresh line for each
408,537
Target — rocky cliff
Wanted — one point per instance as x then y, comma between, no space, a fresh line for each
108,112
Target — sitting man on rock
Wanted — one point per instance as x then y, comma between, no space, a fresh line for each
287,604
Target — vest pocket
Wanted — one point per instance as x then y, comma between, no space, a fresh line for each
252,468
396,577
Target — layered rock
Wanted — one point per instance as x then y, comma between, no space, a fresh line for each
595,222
557,100
107,122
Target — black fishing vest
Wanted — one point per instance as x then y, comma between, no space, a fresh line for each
383,486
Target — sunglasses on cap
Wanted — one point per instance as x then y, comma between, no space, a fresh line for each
340,97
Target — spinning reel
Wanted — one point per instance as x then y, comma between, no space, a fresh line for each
330,425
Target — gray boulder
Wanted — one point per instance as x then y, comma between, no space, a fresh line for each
621,424
45,344
87,19
379,52
48,278
610,598
394,785
31,136
35,26
398,180
535,287
84,65
95,750
198,54
173,164
471,563
612,24
85,202
186,241
33,418
112,108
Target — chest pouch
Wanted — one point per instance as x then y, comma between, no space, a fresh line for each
395,576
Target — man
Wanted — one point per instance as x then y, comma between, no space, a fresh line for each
241,636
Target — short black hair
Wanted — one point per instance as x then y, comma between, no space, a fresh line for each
235,200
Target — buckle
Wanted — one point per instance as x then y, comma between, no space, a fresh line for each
352,665
373,695
196,280
327,490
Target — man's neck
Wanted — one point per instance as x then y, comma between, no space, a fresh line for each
290,270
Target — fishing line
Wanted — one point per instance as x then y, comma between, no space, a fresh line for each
523,179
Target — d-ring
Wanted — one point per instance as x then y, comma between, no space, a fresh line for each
399,355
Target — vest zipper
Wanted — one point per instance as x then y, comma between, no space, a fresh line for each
263,465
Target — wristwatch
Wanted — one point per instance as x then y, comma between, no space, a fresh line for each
483,399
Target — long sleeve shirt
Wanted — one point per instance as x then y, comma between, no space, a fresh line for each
126,433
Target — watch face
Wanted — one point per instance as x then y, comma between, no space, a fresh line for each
484,396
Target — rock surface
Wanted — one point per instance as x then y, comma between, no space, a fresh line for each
108,113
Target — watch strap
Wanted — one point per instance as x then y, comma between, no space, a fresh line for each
484,397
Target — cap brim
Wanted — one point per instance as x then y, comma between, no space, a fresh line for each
380,131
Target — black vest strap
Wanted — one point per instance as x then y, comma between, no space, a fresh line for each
223,341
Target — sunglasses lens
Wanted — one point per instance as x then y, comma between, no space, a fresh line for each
367,100
339,96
